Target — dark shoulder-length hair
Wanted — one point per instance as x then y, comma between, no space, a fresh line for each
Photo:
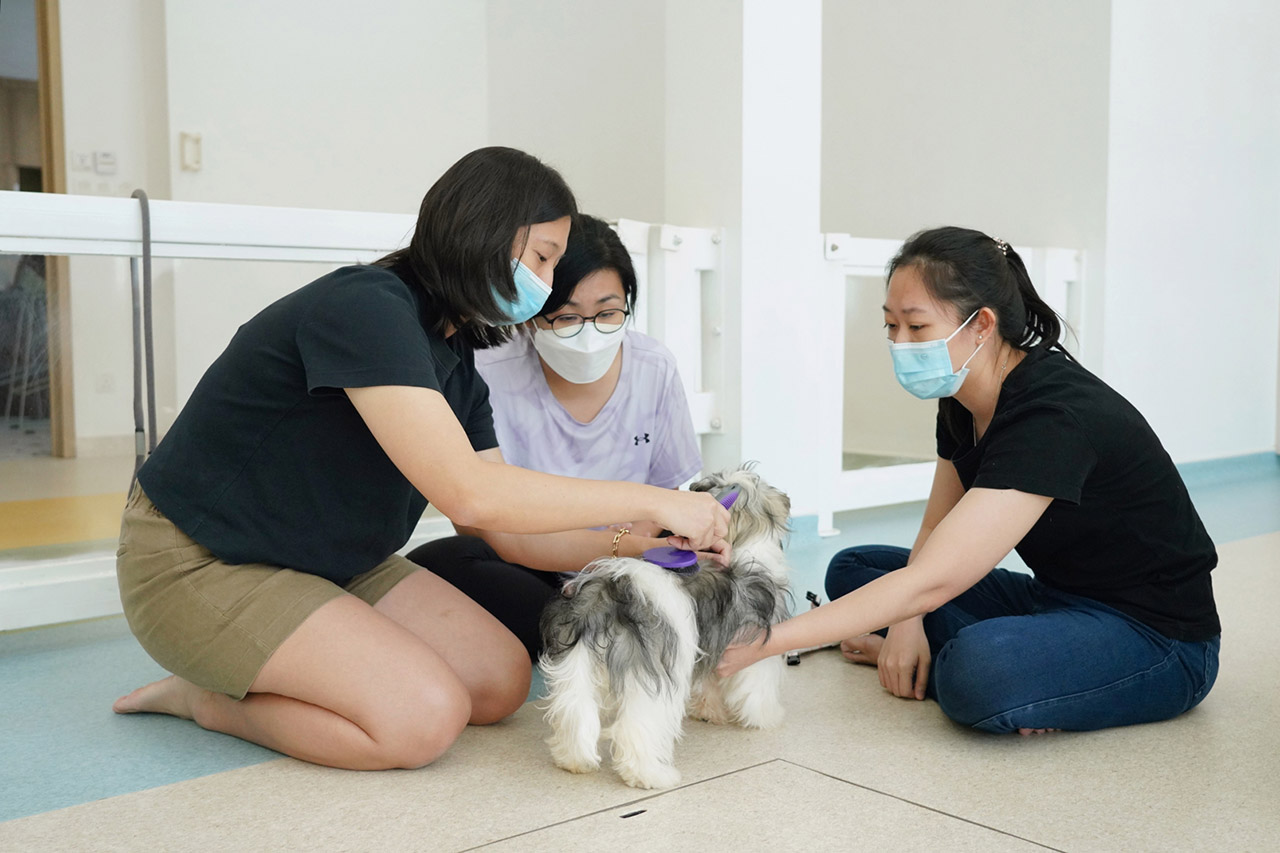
593,246
460,254
966,270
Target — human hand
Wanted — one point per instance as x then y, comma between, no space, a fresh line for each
738,657
905,659
697,520
718,553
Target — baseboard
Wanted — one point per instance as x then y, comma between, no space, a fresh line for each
68,589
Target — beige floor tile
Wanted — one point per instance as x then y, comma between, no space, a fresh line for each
774,806
1206,781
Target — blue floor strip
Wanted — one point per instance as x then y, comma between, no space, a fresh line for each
63,746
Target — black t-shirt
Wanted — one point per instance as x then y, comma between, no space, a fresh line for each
269,462
1121,528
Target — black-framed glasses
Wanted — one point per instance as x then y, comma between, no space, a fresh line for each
606,322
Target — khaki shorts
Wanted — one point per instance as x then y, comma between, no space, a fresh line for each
210,622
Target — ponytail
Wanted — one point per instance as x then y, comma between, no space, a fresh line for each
1041,324
968,270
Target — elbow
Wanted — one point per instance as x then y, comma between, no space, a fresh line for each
465,507
468,511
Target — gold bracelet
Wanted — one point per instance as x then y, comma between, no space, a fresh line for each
617,537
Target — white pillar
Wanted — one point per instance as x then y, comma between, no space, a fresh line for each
744,138
790,389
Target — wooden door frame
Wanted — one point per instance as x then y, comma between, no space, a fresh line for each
62,413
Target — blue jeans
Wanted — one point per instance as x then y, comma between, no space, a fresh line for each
1011,653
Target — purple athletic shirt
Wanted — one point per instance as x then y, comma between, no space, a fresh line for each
644,433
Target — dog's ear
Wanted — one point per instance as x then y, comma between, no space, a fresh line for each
775,505
761,510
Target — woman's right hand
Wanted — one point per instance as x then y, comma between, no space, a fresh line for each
905,659
697,520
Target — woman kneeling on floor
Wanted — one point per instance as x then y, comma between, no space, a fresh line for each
257,555
1118,624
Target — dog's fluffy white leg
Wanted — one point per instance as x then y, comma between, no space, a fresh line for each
644,736
574,682
754,695
650,716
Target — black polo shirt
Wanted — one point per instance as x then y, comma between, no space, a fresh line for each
269,461
1121,528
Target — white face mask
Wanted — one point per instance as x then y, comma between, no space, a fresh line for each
583,358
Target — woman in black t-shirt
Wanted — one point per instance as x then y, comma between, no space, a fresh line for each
1118,625
257,555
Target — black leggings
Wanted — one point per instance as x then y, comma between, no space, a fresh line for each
514,594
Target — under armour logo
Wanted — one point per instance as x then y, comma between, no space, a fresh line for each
644,438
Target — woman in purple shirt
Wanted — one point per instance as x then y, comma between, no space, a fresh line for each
576,393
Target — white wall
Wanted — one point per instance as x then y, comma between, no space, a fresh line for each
579,83
111,52
324,103
991,114
641,105
299,104
702,169
311,104
1193,221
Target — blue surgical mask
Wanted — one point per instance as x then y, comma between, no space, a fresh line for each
531,295
924,368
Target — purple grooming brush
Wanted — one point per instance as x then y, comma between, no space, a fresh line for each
678,560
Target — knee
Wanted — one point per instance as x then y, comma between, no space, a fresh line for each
503,687
439,716
973,685
849,570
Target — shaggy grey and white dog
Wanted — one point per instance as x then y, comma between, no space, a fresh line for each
631,641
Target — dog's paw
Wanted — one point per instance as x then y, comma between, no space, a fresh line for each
576,756
578,764
710,712
761,716
650,776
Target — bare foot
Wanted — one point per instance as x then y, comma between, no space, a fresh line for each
863,649
171,695
1025,732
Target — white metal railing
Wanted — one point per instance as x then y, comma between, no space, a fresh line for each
672,264
53,224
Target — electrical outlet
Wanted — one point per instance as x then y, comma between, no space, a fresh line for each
104,162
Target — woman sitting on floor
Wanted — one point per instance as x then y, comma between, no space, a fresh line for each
1118,625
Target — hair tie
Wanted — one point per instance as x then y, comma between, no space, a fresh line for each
1003,247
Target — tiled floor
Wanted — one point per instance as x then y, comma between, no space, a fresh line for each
853,768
